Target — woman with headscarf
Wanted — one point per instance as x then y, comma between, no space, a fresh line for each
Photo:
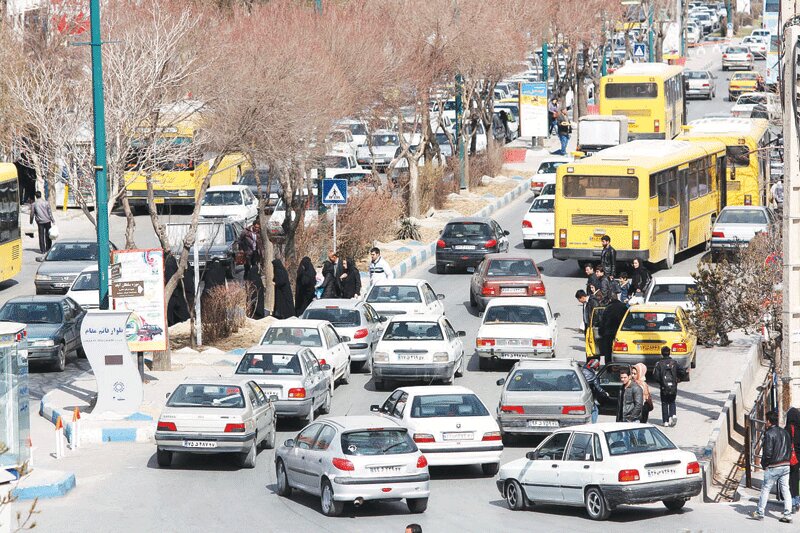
639,279
349,279
284,306
793,427
214,276
330,285
639,372
255,303
304,286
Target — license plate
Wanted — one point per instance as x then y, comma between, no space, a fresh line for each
464,246
509,356
464,435
158,200
650,347
597,238
407,357
542,424
546,234
662,472
199,444
383,469
512,290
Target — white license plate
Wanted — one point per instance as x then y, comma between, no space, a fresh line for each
199,444
464,246
509,356
512,290
542,424
546,234
406,357
661,472
383,469
464,435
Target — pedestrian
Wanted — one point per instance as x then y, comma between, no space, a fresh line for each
379,268
43,215
214,276
583,299
793,427
349,280
667,374
504,121
413,528
776,453
564,131
305,283
760,85
330,288
552,117
591,277
776,191
249,246
610,321
177,308
640,278
284,306
608,257
638,373
623,286
603,285
599,395
256,292
629,407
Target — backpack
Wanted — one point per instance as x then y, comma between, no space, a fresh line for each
669,377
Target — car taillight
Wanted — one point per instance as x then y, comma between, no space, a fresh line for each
679,347
527,224
573,410
491,243
628,475
620,346
422,462
656,126
635,240
488,290
538,184
423,437
749,56
693,468
492,435
562,238
545,343
234,428
440,243
516,409
718,234
484,342
299,392
748,199
724,56
166,426
343,464
706,85
360,334
537,288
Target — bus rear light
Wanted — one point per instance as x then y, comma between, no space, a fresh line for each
562,238
620,346
748,199
656,126
635,240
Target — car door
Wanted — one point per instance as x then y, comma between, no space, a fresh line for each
317,459
388,406
593,337
553,324
454,341
256,409
251,205
268,411
317,381
337,351
576,471
297,468
539,478
608,378
374,324
476,282
69,328
501,237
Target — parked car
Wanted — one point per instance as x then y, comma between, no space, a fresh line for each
270,188
740,83
317,335
737,225
355,319
85,290
338,163
647,328
516,328
737,57
62,264
234,202
757,46
451,425
546,173
384,144
538,224
760,32
670,290
358,130
600,467
418,348
353,459
465,241
700,83
310,216
53,326
215,415
217,240
341,140
748,102
400,296
293,377
503,276
693,34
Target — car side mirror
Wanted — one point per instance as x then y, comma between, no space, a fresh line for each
39,258
506,233
532,456
375,408
325,368
440,296
541,269
556,315
480,314
273,397
167,395
461,333
382,318
345,338
289,443
501,381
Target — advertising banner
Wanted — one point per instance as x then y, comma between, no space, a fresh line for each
533,109
139,290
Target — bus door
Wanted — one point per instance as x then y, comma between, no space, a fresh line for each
683,202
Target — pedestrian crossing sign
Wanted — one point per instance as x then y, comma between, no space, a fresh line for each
638,50
334,191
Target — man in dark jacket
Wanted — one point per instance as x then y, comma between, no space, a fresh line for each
603,284
667,374
599,395
608,257
631,399
330,271
776,454
564,131
591,278
609,324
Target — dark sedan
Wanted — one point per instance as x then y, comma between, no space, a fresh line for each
62,264
504,275
218,241
53,326
464,242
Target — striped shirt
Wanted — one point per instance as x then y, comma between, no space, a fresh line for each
380,270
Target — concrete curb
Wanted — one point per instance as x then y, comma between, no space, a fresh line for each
58,484
426,251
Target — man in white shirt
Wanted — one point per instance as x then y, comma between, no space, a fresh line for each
379,268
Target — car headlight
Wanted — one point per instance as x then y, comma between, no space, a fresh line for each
440,357
42,343
43,277
380,357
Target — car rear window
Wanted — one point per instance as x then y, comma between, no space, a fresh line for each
737,50
270,364
467,230
293,336
511,267
697,75
670,292
639,440
744,76
447,405
404,294
346,318
413,331
545,380
515,314
549,167
377,442
651,321
542,205
742,216
194,395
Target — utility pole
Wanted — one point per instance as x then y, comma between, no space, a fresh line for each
651,52
729,18
318,6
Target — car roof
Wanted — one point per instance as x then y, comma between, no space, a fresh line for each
556,158
421,317
426,390
43,298
663,280
530,301
298,323
355,422
507,255
224,188
74,241
336,303
745,207
274,348
215,380
549,363
545,197
653,308
605,427
384,132
400,282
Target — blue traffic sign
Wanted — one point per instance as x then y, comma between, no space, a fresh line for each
334,191
639,50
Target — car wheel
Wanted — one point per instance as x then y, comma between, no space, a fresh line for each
515,498
269,443
472,301
248,459
330,507
284,489
61,359
417,505
674,505
527,243
490,469
460,370
693,364
596,505
163,458
346,376
484,363
326,405
441,269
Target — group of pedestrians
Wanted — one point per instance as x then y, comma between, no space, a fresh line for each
559,123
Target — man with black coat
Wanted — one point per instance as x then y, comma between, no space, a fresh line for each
599,395
608,257
775,460
667,374
609,324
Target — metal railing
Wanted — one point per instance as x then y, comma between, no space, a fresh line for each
755,422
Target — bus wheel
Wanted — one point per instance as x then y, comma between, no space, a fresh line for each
670,260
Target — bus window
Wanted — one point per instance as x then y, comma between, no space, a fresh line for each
739,155
694,175
605,187
632,90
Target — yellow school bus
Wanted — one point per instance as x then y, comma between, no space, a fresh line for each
650,95
747,141
10,234
653,198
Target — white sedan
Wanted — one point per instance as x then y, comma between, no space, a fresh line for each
418,348
450,425
229,201
516,328
672,290
391,297
546,173
600,467
538,223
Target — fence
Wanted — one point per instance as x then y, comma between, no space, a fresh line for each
755,421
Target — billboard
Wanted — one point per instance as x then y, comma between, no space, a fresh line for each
533,109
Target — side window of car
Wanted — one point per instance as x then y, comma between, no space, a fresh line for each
598,449
553,448
312,363
325,438
400,406
307,437
430,295
448,329
259,393
331,336
67,311
581,448
388,405
252,395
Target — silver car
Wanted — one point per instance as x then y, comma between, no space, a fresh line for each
354,459
62,264
737,57
540,396
354,319
700,83
384,144
737,225
216,415
299,385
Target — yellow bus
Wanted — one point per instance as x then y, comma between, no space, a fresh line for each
10,233
653,198
747,141
650,95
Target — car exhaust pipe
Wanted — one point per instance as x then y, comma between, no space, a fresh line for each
358,502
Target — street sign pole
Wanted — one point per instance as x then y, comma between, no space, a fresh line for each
651,56
334,194
335,213
198,316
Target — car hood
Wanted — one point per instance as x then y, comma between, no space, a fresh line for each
221,210
378,151
63,268
42,331
514,331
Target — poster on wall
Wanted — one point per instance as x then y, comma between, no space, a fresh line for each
533,109
139,289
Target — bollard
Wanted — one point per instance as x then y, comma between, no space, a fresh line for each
60,452
76,429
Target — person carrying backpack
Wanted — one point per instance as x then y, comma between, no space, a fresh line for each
667,374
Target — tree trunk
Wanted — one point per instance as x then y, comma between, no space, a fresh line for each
413,186
130,223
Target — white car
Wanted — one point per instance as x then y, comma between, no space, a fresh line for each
310,216
516,328
384,145
747,102
418,348
693,34
600,467
451,425
737,225
402,296
358,130
671,290
546,173
85,290
757,45
341,141
340,162
229,201
318,336
765,34
538,223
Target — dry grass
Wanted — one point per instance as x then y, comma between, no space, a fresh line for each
249,334
496,188
224,311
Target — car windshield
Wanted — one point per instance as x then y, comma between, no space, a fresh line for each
515,314
447,405
191,395
333,161
511,267
751,99
413,331
737,50
650,321
744,76
442,140
385,140
549,167
270,364
377,442
638,440
73,251
697,75
742,216
542,205
338,137
291,336
31,312
87,281
347,318
357,128
404,294
544,380
670,292
449,105
467,230
217,198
